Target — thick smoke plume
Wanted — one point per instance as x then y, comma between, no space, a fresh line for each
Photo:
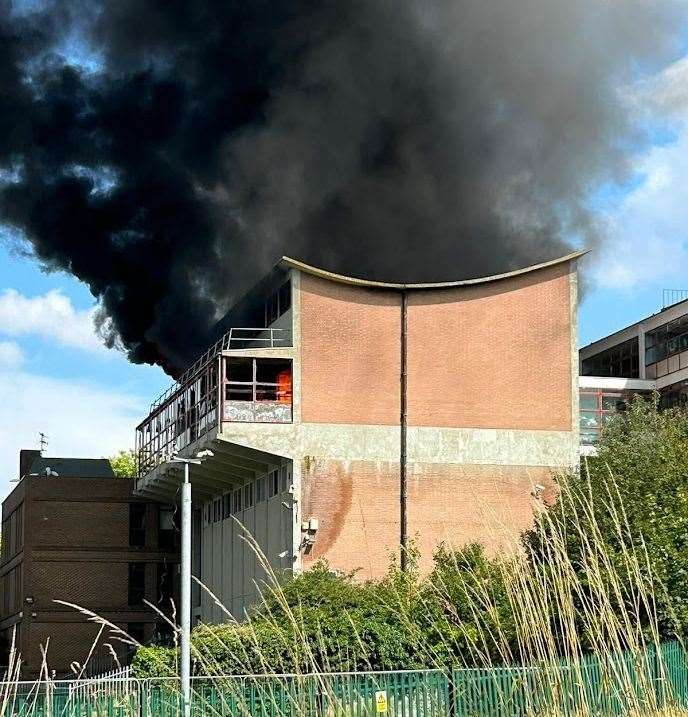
166,153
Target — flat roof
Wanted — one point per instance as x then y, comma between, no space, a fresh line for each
73,467
288,262
657,314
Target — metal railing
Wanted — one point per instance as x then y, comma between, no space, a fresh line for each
189,413
202,403
613,684
673,296
235,338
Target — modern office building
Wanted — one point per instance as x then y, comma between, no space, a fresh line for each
71,531
346,416
649,355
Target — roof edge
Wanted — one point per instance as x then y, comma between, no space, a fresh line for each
290,263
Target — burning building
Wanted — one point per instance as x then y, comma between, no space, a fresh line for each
347,417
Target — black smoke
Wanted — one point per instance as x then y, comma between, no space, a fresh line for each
166,152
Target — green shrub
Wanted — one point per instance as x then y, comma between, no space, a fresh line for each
603,569
154,662
635,492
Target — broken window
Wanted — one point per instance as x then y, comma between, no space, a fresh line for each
240,381
258,389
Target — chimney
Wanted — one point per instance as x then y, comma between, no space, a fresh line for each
26,457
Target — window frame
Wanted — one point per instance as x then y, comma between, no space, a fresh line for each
133,591
137,535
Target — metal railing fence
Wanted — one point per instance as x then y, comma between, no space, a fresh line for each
235,338
628,683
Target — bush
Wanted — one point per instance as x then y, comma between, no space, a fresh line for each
601,570
634,493
155,662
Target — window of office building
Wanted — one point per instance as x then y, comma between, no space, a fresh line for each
165,583
137,525
666,348
167,530
137,583
236,501
596,409
620,361
248,496
12,590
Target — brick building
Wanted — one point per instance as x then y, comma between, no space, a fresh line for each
324,391
72,531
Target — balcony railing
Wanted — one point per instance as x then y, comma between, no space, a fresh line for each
235,338
223,389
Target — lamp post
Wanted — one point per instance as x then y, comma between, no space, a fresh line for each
185,578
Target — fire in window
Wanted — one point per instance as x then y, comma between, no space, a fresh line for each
258,390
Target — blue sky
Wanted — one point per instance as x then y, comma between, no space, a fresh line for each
56,377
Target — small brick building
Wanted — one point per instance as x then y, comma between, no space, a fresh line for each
325,390
72,531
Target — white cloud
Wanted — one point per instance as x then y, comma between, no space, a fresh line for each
648,232
81,419
50,316
11,355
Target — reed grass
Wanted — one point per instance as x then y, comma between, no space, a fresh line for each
542,609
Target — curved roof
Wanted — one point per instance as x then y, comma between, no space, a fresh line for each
342,279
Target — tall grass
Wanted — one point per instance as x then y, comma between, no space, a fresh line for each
565,615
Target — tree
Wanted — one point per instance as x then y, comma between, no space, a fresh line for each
124,464
634,495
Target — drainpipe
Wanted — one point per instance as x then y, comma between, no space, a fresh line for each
403,482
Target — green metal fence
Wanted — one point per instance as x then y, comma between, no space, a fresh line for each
401,694
619,684
613,685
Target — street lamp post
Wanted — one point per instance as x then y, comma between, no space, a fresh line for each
185,579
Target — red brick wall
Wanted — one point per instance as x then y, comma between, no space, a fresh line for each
496,355
357,505
82,523
349,354
94,584
66,642
457,505
77,550
78,489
